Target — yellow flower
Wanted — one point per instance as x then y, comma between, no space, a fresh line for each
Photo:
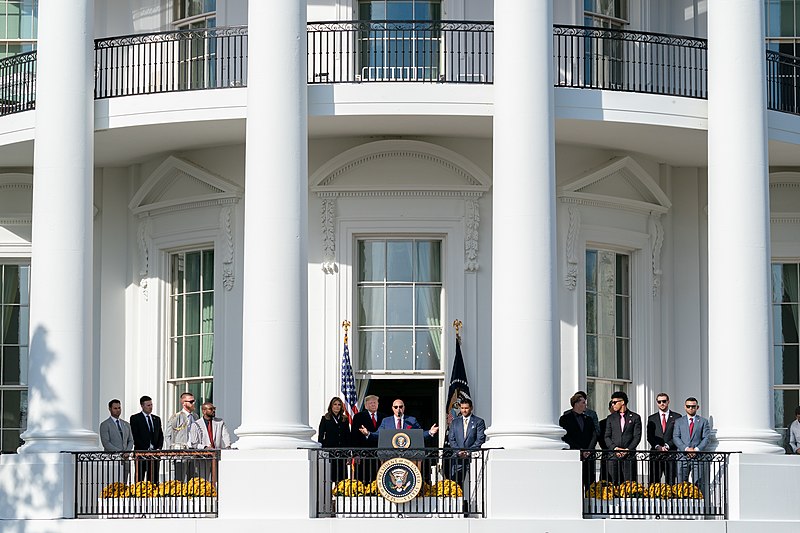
171,488
349,487
198,486
116,490
144,489
446,488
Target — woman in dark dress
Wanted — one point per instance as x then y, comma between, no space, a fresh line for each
334,432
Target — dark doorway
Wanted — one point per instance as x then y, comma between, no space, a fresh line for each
421,397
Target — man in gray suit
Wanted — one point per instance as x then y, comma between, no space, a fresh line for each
116,436
691,435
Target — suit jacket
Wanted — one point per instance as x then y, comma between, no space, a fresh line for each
630,437
577,438
699,437
142,438
199,434
362,418
409,422
177,432
476,433
111,439
658,437
333,433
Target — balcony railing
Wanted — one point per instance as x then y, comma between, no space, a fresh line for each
448,482
408,51
157,484
458,52
655,485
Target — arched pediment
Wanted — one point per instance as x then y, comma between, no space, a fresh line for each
621,183
179,184
399,166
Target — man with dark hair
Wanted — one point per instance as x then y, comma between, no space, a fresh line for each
115,435
659,435
623,434
691,435
580,435
147,435
467,432
590,413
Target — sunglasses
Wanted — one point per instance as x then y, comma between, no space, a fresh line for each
398,406
691,407
662,401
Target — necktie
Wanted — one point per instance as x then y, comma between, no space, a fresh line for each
399,424
663,423
466,426
119,427
149,423
622,421
210,433
374,422
691,426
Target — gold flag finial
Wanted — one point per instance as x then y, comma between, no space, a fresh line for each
346,326
457,325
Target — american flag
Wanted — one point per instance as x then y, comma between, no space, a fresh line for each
348,383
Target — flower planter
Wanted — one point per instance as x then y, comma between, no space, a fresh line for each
377,506
163,506
644,507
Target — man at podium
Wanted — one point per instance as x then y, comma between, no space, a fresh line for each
399,420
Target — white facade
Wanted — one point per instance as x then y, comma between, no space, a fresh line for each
285,180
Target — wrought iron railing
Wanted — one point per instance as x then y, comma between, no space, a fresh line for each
368,482
407,51
18,83
653,63
170,61
655,485
157,484
400,51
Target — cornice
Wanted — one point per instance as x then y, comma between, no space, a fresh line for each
785,218
394,193
20,220
592,200
169,207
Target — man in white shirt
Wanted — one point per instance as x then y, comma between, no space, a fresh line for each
794,432
177,435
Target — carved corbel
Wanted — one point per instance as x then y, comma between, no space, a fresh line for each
228,273
472,223
571,277
656,240
328,220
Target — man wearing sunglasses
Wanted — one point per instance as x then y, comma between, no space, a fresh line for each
691,435
660,426
398,420
177,435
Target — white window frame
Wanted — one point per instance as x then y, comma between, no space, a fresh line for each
21,387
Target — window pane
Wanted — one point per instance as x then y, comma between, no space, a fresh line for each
623,275
207,368
192,314
177,368
11,440
11,366
14,407
428,350
623,316
428,261
399,306
605,314
786,401
400,10
591,313
372,261
429,306
370,306
399,350
784,325
11,284
623,359
784,283
606,357
787,365
207,319
370,347
591,356
208,271
606,272
10,328
399,261
192,271
192,368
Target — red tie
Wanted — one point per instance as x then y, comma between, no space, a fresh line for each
374,422
663,423
691,427
210,433
399,425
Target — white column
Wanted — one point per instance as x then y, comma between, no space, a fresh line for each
274,343
525,346
739,344
60,368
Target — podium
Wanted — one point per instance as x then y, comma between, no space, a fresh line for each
408,443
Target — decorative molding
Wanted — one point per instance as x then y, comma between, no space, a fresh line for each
396,193
785,218
328,220
20,220
226,223
143,237
571,277
16,187
656,241
472,222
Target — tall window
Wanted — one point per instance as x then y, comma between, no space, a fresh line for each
608,325
406,47
18,25
786,342
604,56
399,300
197,66
782,18
14,319
192,324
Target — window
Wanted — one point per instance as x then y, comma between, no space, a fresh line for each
399,304
14,319
197,64
401,44
608,325
782,19
192,325
785,342
603,66
18,25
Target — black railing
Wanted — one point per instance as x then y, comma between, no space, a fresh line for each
18,83
655,485
408,51
400,51
180,484
368,483
783,90
653,63
170,61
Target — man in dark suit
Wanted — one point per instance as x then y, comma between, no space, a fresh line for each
659,435
467,432
147,435
369,418
580,435
399,420
623,434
